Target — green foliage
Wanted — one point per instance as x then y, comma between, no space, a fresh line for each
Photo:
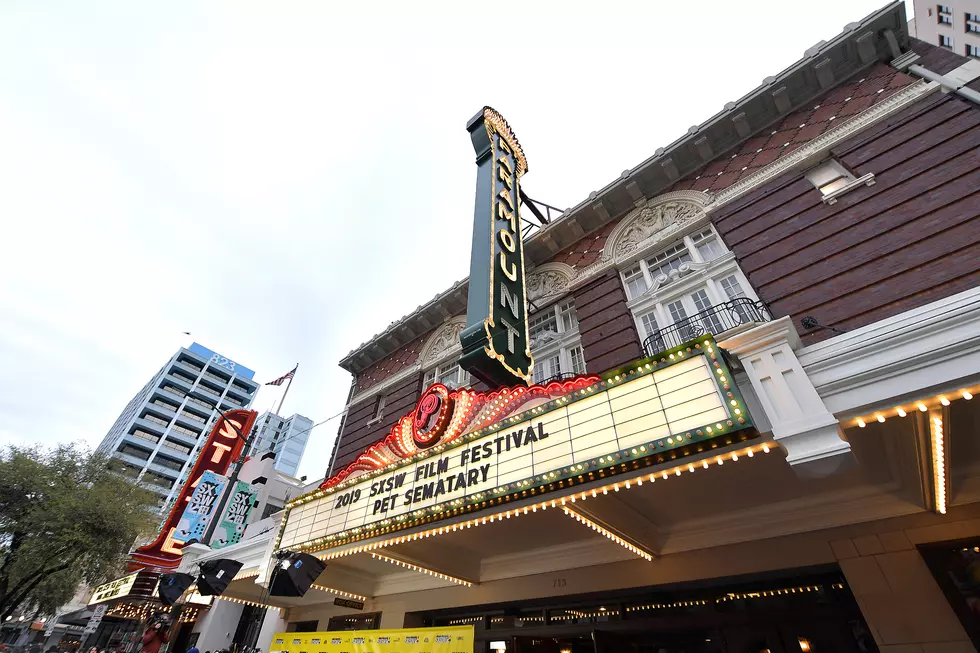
65,518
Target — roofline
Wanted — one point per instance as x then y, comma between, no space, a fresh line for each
862,43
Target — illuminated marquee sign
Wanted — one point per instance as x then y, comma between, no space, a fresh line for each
525,441
138,584
222,447
496,346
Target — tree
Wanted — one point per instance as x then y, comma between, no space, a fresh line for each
65,518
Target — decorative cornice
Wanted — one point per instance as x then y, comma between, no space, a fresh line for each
821,144
652,222
443,342
549,280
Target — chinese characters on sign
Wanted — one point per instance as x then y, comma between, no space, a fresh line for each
221,448
231,528
200,509
496,346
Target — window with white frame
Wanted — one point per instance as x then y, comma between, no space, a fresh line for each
944,14
555,342
829,177
708,245
701,247
690,305
450,374
379,409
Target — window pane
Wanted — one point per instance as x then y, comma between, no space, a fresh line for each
677,312
566,311
542,324
650,325
636,285
709,319
545,368
578,360
732,288
669,259
710,250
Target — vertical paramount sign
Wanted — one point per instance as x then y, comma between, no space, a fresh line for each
496,347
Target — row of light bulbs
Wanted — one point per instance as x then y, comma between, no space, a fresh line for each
253,603
734,456
424,570
349,595
938,462
323,588
506,396
937,438
921,406
646,555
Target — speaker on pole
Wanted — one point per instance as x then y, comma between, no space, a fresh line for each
295,573
215,576
172,586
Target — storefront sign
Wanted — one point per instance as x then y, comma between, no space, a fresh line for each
200,509
222,447
540,440
496,346
348,603
115,589
142,584
450,639
95,619
231,528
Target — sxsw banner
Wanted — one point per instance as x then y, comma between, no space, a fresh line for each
200,509
451,639
231,528
222,447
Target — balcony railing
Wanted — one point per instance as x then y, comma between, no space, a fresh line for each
715,320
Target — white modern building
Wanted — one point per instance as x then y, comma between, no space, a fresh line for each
285,437
954,25
162,428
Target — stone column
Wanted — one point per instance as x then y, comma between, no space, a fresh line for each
901,602
800,420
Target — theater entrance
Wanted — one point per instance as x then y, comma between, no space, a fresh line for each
797,611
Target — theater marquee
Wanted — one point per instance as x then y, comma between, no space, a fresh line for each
463,451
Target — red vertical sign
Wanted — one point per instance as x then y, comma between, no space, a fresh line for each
223,447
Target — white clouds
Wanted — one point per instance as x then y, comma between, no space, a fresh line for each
284,181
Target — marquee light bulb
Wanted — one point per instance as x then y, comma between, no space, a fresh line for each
922,407
901,413
944,401
967,395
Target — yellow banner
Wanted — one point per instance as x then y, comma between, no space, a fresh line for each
451,639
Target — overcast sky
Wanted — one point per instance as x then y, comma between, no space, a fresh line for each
285,179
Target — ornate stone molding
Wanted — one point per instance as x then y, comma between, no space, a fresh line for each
549,280
654,221
824,142
442,342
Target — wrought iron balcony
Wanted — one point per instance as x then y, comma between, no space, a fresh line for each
559,377
715,320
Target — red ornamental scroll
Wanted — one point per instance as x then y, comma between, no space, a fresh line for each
222,447
442,416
